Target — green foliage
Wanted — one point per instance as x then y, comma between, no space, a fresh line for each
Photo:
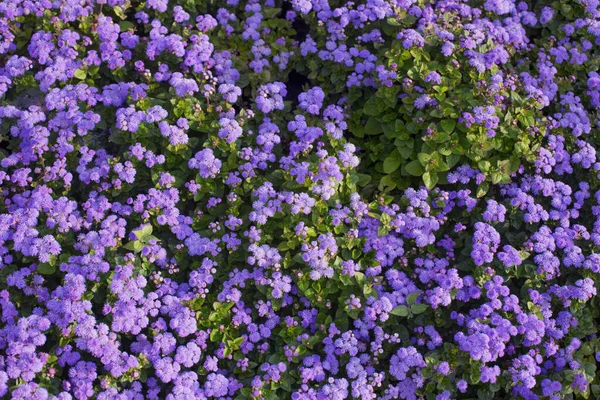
406,144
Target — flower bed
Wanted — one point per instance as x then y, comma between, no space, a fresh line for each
305,199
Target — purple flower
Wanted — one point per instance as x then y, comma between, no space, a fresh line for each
509,256
269,97
433,77
499,7
216,385
302,6
158,5
230,130
312,100
206,163
230,92
183,86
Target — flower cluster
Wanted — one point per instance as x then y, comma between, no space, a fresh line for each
192,205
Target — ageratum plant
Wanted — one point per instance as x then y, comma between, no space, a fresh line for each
308,199
447,90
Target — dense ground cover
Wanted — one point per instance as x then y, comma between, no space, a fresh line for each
313,199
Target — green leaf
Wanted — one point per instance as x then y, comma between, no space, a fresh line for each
46,269
445,150
448,125
215,335
405,151
385,219
496,177
424,158
120,12
484,166
361,279
363,179
483,189
135,246
138,246
373,127
441,137
418,308
401,311
382,231
452,160
196,304
430,179
475,374
411,298
354,94
144,233
513,165
369,292
389,129
80,74
126,25
414,168
391,164
373,106
387,183
436,163
130,245
393,21
521,149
